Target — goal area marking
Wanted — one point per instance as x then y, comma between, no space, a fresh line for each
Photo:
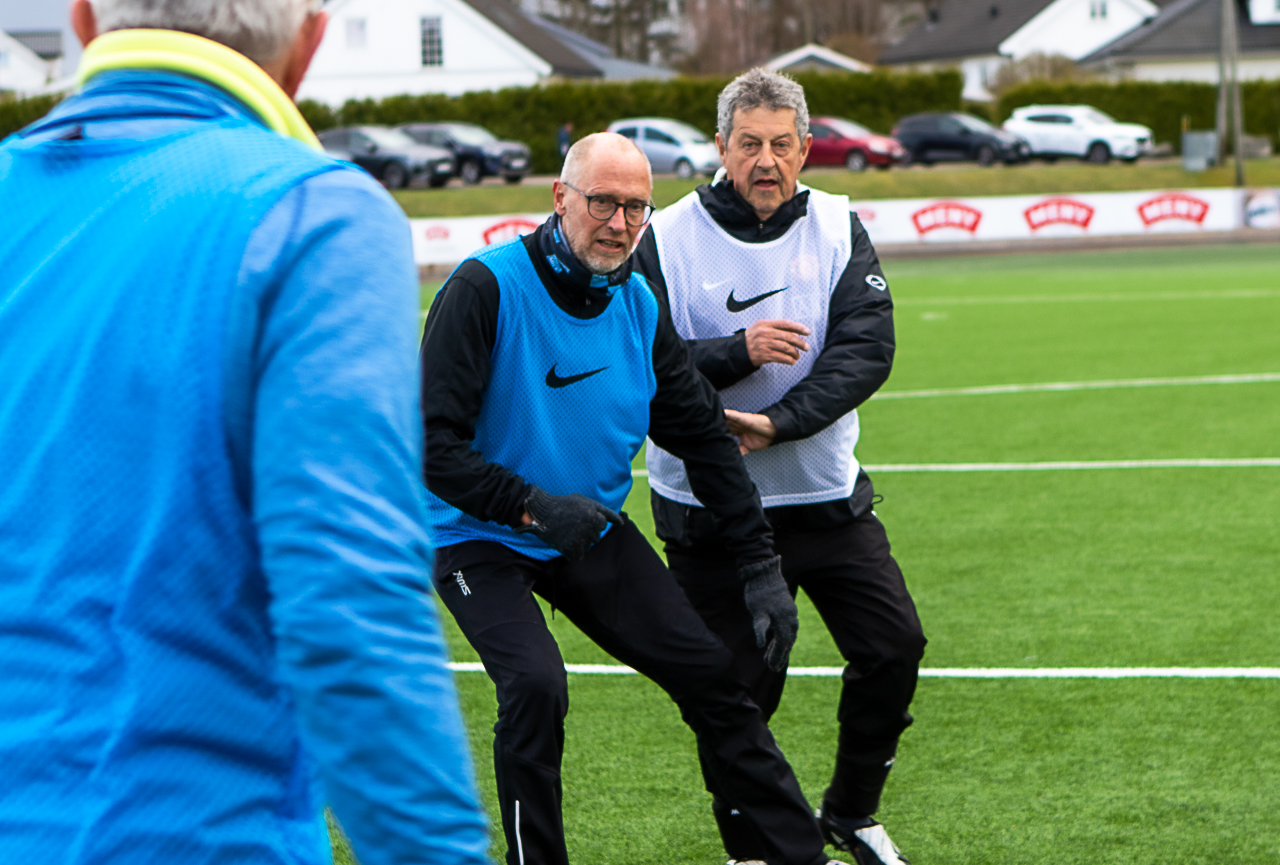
1061,386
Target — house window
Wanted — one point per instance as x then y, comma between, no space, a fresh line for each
357,33
432,48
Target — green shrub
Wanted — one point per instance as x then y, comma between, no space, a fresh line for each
534,115
1158,104
18,113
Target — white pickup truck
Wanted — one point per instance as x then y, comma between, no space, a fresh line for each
1080,131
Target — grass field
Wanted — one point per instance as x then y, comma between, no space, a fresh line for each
1102,568
919,182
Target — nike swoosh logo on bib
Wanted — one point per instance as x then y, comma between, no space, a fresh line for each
554,380
734,305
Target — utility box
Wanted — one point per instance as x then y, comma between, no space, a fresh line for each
1199,150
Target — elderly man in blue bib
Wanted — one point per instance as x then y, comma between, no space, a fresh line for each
545,362
781,298
214,573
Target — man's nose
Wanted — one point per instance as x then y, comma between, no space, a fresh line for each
766,159
618,222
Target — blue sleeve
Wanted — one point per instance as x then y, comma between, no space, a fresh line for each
328,309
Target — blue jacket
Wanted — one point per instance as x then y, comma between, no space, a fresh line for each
215,607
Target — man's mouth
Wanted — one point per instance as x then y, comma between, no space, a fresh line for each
610,245
765,183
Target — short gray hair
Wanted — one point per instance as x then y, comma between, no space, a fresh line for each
575,160
758,88
259,29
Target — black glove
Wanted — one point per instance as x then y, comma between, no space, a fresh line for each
772,610
570,524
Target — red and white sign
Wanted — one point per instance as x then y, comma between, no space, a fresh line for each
1054,211
931,220
1173,205
946,214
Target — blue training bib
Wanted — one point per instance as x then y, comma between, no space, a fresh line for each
567,406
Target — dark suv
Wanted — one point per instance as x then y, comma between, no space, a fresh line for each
952,136
477,152
391,156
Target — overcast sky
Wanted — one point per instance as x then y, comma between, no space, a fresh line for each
42,15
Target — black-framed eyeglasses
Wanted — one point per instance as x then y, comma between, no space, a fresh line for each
602,207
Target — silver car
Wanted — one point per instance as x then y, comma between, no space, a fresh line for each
672,147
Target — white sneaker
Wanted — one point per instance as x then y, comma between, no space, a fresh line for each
866,839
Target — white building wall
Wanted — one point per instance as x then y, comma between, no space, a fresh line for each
1264,11
1077,28
477,54
21,69
979,73
1204,70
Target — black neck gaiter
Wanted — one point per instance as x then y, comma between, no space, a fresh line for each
572,273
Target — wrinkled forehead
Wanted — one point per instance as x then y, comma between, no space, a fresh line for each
764,123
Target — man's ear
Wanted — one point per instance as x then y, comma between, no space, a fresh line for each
304,47
804,147
83,21
557,194
722,147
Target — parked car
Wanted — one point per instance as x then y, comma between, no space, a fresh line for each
672,146
1078,130
477,152
837,141
952,136
392,157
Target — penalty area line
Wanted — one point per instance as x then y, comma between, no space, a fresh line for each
973,672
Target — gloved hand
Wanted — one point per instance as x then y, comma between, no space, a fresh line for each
569,524
773,612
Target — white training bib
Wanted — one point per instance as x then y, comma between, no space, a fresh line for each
719,285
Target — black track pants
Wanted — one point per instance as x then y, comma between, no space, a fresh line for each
859,591
623,598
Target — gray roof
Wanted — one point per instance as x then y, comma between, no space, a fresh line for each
598,53
1187,28
963,28
47,44
524,29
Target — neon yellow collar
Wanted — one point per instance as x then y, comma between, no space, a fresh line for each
201,58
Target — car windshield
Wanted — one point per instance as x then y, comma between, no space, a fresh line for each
475,135
848,128
685,133
974,124
1093,115
388,138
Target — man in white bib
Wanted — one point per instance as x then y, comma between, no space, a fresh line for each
781,299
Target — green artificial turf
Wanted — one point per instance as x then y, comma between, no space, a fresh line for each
918,182
1134,567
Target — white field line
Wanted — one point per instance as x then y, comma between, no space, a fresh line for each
1060,466
1059,386
975,672
1242,294
1090,465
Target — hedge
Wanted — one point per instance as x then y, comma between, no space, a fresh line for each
1158,104
534,115
17,113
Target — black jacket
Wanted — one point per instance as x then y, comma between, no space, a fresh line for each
855,360
685,415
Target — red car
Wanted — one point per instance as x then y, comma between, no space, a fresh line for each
837,141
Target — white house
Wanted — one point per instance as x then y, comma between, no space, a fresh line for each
1181,44
980,36
22,71
379,48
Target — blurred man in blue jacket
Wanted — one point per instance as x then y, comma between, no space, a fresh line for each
214,604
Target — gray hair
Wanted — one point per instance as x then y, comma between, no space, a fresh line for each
758,88
575,161
259,29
